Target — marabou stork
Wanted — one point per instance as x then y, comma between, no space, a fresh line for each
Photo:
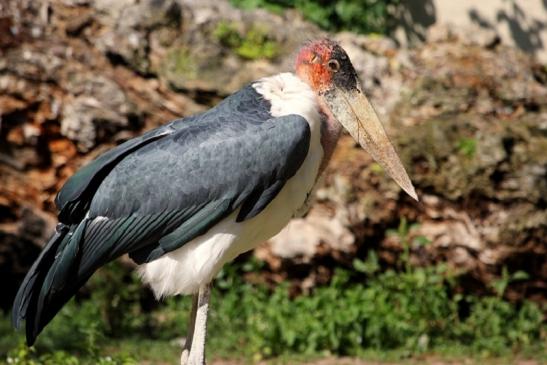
189,196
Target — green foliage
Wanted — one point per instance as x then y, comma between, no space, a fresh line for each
467,146
501,284
405,310
23,355
413,311
402,233
410,311
496,327
116,293
360,16
113,310
253,44
82,327
370,266
77,328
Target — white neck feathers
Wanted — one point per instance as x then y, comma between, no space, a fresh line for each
289,95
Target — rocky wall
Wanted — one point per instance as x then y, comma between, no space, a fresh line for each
468,115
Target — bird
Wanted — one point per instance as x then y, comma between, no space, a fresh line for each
191,195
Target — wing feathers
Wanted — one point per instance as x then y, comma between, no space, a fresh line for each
74,197
198,224
39,269
258,201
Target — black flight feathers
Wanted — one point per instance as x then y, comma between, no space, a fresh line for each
154,193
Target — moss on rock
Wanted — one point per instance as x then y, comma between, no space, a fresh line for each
253,43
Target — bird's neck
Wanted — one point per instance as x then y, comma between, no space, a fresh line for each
330,133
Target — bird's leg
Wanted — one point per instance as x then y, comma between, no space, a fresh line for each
190,331
196,355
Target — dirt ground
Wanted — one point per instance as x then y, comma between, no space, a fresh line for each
416,361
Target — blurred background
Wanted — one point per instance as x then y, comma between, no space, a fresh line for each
368,276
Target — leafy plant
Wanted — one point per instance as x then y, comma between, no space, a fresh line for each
412,310
360,16
402,233
77,328
506,278
117,293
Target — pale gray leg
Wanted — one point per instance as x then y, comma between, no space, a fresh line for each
190,331
196,342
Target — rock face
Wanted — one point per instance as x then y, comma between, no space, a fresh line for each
468,116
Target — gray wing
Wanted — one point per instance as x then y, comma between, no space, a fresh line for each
75,196
176,188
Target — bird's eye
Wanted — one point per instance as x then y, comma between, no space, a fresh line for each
334,65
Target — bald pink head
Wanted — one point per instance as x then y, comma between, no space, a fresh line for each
315,65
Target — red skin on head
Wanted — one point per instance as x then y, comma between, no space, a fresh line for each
311,65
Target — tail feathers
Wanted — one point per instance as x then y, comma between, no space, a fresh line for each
36,275
51,281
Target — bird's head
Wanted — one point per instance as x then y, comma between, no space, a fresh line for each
327,69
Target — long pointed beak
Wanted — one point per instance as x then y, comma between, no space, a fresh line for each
353,110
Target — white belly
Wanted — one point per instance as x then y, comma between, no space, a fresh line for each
196,263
